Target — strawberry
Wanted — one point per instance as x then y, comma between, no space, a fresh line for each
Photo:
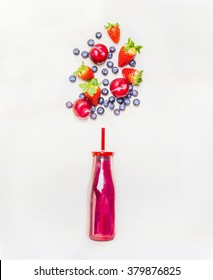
92,91
127,53
133,76
113,31
84,72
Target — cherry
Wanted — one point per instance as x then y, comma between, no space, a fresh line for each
82,108
98,53
119,87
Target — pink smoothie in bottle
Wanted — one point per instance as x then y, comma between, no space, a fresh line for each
102,198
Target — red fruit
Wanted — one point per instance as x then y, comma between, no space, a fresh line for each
98,53
133,76
95,97
92,91
84,72
81,108
113,31
127,53
119,87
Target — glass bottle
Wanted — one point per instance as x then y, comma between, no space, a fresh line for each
102,198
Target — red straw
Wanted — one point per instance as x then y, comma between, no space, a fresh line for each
103,138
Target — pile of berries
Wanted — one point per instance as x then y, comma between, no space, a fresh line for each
117,94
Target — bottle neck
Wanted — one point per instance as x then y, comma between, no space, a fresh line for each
102,172
102,164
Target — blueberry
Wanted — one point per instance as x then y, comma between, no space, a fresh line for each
126,101
120,100
93,116
76,51
101,101
128,96
84,54
100,110
115,69
72,78
104,71
106,103
105,82
110,64
112,99
136,102
105,91
93,109
122,107
90,42
94,69
69,104
111,106
110,55
117,112
98,35
134,93
112,49
81,95
132,63
130,87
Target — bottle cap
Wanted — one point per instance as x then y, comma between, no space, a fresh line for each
102,153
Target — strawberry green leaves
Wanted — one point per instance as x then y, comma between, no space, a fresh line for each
90,86
131,45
